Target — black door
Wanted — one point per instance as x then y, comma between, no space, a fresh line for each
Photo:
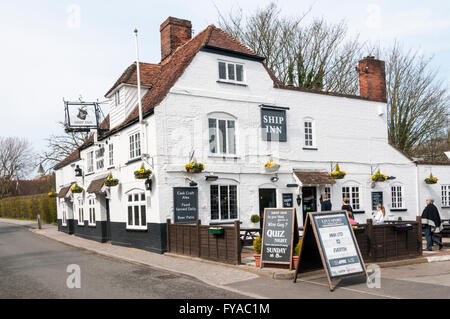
309,201
108,222
267,199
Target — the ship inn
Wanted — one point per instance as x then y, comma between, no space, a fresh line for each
221,139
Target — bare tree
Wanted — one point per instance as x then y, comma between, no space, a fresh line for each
315,55
16,161
418,102
61,146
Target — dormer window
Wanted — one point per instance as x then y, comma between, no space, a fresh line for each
231,72
117,98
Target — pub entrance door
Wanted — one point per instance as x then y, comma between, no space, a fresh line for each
309,201
267,199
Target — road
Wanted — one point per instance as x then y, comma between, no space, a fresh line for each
32,266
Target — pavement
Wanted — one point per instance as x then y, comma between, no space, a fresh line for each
415,278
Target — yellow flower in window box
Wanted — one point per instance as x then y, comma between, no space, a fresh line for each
378,177
142,173
338,174
194,167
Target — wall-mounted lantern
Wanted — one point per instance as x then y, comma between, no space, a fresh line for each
389,178
274,179
148,184
78,171
211,178
299,200
193,184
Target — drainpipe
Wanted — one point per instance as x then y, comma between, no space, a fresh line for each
141,121
417,189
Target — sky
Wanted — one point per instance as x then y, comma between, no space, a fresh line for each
52,50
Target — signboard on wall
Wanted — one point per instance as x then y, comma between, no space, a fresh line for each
288,200
280,234
377,198
185,205
329,242
273,123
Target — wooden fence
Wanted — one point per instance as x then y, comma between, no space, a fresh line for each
391,241
196,241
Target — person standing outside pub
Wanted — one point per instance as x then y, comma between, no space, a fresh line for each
348,208
431,223
326,203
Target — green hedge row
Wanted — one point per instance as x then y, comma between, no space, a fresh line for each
28,207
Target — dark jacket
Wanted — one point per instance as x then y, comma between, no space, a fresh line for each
326,205
430,217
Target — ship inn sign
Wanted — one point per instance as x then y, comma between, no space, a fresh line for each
273,123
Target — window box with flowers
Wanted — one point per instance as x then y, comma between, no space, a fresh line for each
431,179
194,167
338,174
271,166
110,181
142,173
52,193
76,189
378,177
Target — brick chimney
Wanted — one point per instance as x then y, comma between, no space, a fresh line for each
174,32
372,79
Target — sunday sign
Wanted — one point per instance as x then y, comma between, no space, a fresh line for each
273,123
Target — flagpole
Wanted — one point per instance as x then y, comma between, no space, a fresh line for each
138,75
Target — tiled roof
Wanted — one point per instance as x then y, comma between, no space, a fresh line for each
149,74
63,192
314,177
96,185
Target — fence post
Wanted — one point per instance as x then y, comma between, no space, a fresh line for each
199,247
419,233
237,229
369,237
168,234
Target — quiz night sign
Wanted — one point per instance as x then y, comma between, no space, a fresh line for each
185,205
273,123
338,245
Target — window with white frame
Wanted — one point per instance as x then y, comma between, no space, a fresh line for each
137,210
111,154
91,202
231,72
308,125
222,136
64,214
80,212
445,195
135,145
327,191
99,158
223,202
117,98
352,193
397,197
90,161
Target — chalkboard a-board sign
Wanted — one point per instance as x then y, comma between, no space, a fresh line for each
377,198
288,200
280,234
185,205
333,246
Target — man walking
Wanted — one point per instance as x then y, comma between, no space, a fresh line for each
431,222
326,203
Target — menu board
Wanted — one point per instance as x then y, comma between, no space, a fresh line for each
288,200
278,235
185,205
338,245
377,198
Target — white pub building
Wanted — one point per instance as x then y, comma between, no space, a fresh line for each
212,99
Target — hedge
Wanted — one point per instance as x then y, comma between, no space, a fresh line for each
28,207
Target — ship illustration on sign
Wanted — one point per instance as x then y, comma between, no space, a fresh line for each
82,113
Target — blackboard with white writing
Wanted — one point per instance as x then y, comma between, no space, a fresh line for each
273,123
377,198
185,205
278,235
288,200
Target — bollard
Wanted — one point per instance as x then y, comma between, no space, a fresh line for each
39,221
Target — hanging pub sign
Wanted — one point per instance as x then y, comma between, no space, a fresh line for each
81,116
273,123
329,242
280,235
185,205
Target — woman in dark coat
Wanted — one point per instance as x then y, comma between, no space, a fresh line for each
431,222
